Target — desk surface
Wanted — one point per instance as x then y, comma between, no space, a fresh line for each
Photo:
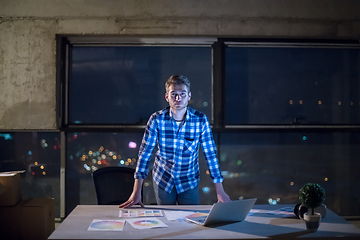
256,226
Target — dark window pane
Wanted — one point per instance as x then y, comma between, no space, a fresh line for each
125,85
272,85
207,192
86,152
90,151
38,153
276,165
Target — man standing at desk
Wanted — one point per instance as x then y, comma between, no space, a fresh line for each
177,130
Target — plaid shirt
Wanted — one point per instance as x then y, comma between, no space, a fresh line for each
177,159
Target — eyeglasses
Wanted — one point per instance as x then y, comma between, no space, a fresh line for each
182,94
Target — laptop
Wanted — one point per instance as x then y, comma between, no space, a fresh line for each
224,212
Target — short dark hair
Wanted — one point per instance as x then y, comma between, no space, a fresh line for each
177,80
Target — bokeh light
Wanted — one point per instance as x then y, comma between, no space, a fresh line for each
132,144
206,189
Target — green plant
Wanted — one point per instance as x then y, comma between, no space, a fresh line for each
311,195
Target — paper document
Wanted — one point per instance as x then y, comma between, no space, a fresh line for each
106,225
139,213
177,215
197,214
146,223
252,211
285,211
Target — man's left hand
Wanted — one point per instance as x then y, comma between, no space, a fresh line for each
223,197
221,194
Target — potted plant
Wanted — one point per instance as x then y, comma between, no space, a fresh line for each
312,195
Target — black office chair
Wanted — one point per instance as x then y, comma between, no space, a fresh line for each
113,185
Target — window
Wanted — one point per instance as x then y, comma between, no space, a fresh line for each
125,84
86,152
117,87
283,113
292,85
38,154
273,166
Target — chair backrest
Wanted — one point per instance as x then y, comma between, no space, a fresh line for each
113,185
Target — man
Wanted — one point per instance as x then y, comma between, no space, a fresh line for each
177,130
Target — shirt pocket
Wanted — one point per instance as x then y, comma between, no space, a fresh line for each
190,146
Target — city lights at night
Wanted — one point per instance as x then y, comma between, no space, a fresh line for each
6,136
100,157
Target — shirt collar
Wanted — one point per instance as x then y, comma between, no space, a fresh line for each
187,114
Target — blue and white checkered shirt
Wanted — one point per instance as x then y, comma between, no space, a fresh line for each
177,159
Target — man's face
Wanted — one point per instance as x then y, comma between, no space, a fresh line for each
178,96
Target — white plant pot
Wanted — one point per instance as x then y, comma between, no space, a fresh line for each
312,221
299,211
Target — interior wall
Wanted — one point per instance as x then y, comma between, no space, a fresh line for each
28,30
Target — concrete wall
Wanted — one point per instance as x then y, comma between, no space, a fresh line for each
28,29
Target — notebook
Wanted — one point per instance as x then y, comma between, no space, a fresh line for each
224,212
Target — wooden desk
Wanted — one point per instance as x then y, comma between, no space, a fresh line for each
256,226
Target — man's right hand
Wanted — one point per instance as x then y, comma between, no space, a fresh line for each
135,197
